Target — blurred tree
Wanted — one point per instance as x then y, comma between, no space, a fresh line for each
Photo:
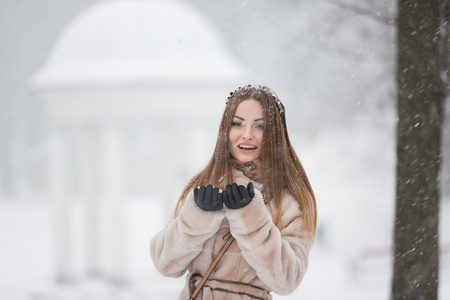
421,93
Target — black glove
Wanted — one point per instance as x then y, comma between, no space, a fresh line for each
238,196
208,198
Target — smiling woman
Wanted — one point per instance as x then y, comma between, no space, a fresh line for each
254,188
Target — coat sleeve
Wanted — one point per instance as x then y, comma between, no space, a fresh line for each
280,258
176,246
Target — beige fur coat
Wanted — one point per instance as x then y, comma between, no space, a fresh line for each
261,255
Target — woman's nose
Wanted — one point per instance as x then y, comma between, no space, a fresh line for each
248,133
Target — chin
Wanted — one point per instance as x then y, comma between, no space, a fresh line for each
245,159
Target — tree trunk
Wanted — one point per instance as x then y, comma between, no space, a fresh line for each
420,101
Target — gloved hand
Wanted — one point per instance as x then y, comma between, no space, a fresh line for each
208,198
236,196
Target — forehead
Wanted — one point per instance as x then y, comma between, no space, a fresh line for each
249,108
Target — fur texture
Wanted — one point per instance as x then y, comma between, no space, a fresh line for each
262,255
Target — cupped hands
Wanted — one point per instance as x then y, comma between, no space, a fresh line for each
209,198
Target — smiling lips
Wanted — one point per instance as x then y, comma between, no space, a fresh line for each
246,147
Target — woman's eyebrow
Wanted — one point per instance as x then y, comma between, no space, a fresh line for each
260,119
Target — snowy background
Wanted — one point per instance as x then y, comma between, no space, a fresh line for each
332,64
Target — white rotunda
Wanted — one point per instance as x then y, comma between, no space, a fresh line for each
133,91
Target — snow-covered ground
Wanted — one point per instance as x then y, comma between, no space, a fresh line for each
26,265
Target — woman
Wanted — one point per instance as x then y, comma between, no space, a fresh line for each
253,187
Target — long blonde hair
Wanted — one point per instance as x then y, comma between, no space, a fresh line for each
282,167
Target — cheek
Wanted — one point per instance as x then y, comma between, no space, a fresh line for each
260,137
230,141
232,136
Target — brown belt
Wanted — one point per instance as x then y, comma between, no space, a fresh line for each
234,287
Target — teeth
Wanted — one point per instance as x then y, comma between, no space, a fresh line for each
247,147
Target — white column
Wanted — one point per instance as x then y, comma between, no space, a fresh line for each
114,191
171,147
90,169
64,248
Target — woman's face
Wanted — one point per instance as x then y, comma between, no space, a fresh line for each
246,132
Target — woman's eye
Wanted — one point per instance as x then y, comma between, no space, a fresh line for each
261,126
236,124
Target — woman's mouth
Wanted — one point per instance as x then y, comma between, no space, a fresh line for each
246,147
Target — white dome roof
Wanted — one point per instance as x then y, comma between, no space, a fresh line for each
138,41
